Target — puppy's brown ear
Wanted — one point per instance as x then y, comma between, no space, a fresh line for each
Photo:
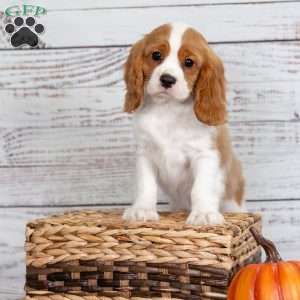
134,78
209,91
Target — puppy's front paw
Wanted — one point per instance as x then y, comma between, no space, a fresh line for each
140,214
205,218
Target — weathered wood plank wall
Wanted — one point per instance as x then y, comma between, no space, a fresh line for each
119,25
65,143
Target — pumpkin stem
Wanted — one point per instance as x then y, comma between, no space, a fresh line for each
269,247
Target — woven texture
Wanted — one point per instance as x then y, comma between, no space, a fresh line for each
91,255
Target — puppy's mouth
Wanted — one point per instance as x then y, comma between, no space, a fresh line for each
164,92
161,94
160,97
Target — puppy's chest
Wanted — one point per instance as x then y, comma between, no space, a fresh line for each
173,141
164,133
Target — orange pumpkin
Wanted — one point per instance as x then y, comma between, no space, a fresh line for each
273,280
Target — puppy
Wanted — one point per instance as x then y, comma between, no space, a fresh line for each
176,92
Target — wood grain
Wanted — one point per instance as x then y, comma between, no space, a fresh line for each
276,215
61,166
110,181
67,68
61,68
232,23
97,107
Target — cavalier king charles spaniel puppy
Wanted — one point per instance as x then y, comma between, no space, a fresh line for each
176,92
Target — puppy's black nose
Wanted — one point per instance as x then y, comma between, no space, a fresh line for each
167,80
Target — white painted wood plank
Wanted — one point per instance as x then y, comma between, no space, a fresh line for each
238,22
113,4
109,181
94,107
61,68
64,168
254,62
279,218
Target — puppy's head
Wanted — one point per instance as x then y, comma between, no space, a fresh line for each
172,63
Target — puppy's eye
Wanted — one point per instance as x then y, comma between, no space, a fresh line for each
156,55
188,62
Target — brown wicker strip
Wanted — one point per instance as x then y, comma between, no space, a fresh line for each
96,254
94,297
66,296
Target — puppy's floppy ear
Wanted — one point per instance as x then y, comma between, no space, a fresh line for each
209,91
134,77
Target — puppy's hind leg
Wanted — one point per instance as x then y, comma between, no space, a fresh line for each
235,190
232,206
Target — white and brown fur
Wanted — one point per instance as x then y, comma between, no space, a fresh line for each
183,142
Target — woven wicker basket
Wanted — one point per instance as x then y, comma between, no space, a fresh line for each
95,255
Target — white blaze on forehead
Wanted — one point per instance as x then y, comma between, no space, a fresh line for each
171,64
177,31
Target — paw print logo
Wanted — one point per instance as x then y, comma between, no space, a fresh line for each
24,32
